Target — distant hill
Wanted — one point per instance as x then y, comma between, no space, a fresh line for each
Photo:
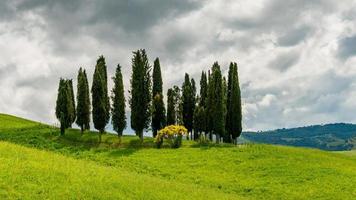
332,137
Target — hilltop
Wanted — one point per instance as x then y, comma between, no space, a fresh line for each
332,137
48,166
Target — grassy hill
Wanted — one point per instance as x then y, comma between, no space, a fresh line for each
332,137
36,163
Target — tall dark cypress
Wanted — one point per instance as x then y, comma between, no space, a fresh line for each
203,89
187,102
193,101
216,96
140,100
226,136
72,110
63,105
158,108
171,114
102,68
234,111
210,106
87,102
99,101
118,103
83,101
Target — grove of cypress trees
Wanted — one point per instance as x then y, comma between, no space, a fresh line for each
118,103
158,108
101,114
234,111
83,101
171,114
63,106
140,100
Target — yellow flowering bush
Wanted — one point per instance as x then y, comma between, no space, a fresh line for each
173,134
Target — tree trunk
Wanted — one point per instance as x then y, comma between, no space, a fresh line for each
100,133
62,130
140,134
119,138
81,129
217,138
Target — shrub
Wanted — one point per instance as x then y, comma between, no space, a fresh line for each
173,134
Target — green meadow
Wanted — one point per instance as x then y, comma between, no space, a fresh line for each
37,163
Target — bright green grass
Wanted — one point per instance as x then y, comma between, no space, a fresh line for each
77,167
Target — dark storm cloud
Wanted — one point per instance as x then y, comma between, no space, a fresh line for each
347,47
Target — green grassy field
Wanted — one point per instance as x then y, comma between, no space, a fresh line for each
36,163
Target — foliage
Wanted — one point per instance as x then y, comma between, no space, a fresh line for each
83,101
118,103
173,134
140,100
99,99
171,112
158,108
215,105
188,102
234,111
64,105
72,110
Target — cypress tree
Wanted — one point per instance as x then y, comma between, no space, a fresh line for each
234,111
102,68
62,105
171,114
158,114
118,103
187,102
209,106
87,102
226,136
193,105
158,108
157,79
203,97
71,109
203,89
216,110
140,100
99,101
83,101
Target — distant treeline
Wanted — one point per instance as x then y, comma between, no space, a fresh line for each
216,110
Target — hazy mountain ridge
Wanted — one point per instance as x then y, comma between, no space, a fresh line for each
333,137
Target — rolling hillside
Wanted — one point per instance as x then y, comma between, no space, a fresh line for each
332,137
35,163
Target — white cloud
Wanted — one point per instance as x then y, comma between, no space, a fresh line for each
294,67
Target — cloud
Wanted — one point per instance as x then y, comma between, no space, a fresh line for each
296,58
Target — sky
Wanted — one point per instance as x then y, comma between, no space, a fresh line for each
296,58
